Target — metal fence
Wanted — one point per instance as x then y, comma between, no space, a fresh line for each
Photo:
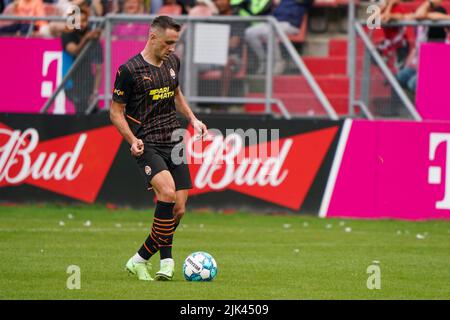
235,82
375,91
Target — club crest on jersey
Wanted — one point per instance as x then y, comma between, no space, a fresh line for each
148,170
172,73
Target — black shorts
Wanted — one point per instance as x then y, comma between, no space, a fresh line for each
158,158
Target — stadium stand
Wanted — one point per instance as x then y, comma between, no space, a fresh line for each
170,9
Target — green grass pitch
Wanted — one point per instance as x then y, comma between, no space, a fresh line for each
258,256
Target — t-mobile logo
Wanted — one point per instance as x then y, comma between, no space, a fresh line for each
435,171
47,87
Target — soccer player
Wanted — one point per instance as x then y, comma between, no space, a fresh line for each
145,100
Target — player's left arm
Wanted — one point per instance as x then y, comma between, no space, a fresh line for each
183,107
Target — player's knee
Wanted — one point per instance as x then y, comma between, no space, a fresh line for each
167,194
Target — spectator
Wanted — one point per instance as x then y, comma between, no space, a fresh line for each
395,46
203,8
4,4
82,88
132,29
289,14
170,8
155,5
430,10
25,8
65,8
186,5
246,8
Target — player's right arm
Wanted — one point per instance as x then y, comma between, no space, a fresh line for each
121,94
116,114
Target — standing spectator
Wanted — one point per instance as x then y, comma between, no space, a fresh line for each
82,89
289,14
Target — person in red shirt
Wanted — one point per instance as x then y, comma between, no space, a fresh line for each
395,47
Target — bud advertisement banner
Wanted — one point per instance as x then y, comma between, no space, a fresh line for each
390,169
244,162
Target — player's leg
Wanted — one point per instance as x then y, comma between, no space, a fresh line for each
167,264
157,177
164,222
182,182
255,37
161,235
180,206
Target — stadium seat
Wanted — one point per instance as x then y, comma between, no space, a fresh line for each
170,10
301,35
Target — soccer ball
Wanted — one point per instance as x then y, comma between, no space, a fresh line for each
199,266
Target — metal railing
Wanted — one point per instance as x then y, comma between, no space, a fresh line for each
374,71
67,77
191,92
387,73
264,83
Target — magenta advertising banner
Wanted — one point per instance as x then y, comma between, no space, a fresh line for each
34,69
433,94
390,169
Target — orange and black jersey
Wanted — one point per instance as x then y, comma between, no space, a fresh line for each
148,92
